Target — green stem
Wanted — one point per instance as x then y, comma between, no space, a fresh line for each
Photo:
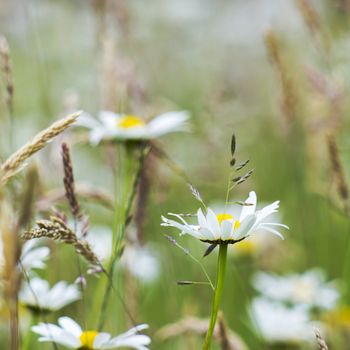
27,341
220,278
127,185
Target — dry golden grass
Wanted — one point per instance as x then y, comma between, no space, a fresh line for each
16,161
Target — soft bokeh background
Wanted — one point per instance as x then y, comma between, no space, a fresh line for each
210,58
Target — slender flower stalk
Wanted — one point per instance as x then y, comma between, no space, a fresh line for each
220,279
125,190
28,339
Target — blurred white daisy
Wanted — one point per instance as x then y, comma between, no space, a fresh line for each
69,334
101,241
32,256
309,289
37,295
142,262
278,323
113,126
223,227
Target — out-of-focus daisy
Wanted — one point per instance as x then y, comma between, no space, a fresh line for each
113,126
69,334
142,262
309,289
257,244
37,295
32,256
224,227
277,323
101,241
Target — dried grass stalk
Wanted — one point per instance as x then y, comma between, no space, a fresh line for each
69,183
310,15
57,230
6,69
15,162
10,274
314,23
320,341
28,198
338,170
289,92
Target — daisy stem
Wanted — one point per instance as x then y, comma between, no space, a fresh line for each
27,341
126,188
220,277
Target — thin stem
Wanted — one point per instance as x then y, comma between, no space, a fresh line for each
29,336
218,293
128,191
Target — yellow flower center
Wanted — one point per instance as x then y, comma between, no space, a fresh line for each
87,339
130,121
222,217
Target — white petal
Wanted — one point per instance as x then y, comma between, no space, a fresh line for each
267,228
87,121
206,234
276,224
53,333
202,222
213,223
33,257
246,226
97,134
101,339
183,228
109,119
268,210
70,326
248,209
168,122
226,229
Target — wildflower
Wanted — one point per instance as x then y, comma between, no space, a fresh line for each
113,126
37,295
101,241
279,323
308,289
141,262
224,228
70,335
32,256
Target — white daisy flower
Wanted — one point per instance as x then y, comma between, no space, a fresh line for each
113,126
100,239
142,262
223,227
32,256
278,323
70,335
309,289
37,295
